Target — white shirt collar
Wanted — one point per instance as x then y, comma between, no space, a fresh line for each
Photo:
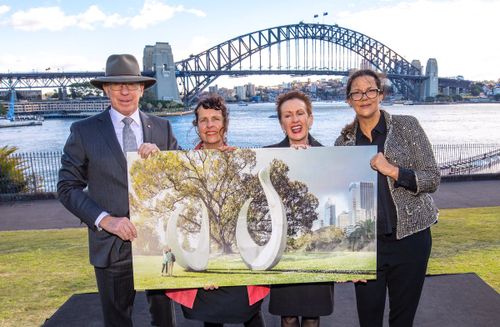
117,117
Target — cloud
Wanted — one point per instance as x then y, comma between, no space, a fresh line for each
458,33
4,9
55,19
154,12
34,19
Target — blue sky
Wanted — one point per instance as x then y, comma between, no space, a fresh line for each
79,35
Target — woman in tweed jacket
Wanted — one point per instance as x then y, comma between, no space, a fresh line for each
407,173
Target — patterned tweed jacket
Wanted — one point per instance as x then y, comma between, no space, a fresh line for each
406,146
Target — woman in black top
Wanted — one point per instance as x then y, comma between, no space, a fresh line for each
308,301
407,173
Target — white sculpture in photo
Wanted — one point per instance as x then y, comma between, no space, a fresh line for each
196,260
263,257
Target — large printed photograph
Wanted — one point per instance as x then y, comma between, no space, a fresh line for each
253,216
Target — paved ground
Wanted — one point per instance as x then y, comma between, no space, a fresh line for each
47,214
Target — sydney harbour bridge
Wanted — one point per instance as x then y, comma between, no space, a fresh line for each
298,50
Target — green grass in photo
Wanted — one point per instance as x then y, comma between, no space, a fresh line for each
229,270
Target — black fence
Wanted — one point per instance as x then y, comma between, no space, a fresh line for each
40,169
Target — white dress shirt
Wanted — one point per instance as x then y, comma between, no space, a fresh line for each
116,119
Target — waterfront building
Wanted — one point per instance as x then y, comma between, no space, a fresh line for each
250,91
240,91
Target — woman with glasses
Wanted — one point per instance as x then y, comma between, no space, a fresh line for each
309,301
212,305
407,173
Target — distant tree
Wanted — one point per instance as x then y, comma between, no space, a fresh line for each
364,232
496,97
476,89
325,239
3,109
300,205
430,99
85,89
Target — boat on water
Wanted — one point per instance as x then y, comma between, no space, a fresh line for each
5,123
408,103
242,104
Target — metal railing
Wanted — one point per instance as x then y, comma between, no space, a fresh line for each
40,169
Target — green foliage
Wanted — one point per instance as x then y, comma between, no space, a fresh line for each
430,99
12,179
300,205
324,239
476,89
496,97
85,89
152,105
190,178
362,235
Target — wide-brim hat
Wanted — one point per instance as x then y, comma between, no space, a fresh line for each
123,68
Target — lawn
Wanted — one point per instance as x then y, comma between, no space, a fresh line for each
40,270
230,270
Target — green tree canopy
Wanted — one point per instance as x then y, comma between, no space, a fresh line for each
222,182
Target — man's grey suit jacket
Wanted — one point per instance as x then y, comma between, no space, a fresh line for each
93,158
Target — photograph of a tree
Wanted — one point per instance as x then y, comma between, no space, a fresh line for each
253,216
222,182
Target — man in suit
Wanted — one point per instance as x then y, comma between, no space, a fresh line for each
94,158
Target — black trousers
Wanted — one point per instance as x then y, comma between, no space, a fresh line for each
116,291
401,268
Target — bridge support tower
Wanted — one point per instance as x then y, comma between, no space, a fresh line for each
431,83
159,59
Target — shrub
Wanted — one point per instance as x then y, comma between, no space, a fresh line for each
12,179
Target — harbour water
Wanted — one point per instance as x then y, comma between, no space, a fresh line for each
256,125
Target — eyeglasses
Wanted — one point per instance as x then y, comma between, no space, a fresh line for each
370,94
128,86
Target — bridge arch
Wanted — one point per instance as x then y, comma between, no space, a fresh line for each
198,71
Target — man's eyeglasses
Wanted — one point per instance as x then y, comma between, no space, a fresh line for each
128,86
370,94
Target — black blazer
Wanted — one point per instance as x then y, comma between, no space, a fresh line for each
286,143
93,159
